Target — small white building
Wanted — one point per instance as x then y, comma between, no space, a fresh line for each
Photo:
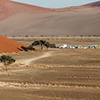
71,47
93,47
84,47
64,46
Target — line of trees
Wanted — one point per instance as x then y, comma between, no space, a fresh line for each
43,43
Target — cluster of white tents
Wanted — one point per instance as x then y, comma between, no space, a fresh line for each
77,47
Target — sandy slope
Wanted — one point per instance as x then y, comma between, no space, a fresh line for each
83,22
8,8
23,19
8,45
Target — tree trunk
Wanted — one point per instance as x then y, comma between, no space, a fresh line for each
6,67
47,49
41,46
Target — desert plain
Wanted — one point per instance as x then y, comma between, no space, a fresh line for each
53,73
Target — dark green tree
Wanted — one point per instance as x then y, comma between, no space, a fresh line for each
43,43
52,46
28,48
47,44
7,60
40,42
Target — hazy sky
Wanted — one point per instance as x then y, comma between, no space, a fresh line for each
56,3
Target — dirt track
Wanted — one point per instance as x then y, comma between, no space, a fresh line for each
28,61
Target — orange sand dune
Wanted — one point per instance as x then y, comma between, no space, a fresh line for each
8,8
8,45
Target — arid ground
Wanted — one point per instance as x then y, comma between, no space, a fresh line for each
53,74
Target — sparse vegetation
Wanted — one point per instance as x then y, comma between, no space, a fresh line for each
58,71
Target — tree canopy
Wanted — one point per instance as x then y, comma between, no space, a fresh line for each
27,48
7,60
43,43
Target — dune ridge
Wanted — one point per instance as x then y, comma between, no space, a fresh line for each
8,8
94,4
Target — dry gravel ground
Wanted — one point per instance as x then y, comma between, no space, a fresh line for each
57,83
65,74
73,57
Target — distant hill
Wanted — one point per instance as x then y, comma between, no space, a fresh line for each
8,8
74,8
94,4
18,19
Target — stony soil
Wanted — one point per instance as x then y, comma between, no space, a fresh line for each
52,78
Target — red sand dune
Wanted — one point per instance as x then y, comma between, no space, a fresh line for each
8,45
8,8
